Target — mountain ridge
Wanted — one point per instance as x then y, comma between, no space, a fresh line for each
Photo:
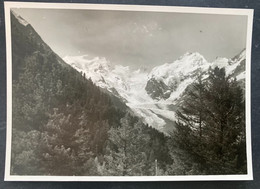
153,95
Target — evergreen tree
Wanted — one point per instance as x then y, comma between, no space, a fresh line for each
210,126
225,121
128,145
190,124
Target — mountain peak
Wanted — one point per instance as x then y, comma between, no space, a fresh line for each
192,54
85,62
184,65
192,57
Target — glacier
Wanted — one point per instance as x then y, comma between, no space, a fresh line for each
131,85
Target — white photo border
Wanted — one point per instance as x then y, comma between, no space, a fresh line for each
176,9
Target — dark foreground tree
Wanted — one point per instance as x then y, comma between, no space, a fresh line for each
211,126
225,129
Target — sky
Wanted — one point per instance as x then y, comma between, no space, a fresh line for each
135,39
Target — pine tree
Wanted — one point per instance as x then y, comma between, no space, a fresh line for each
128,148
225,120
210,126
192,110
191,121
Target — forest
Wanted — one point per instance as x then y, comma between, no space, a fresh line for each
63,124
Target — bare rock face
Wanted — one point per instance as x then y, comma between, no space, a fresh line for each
157,89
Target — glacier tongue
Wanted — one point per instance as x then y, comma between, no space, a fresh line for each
153,96
130,85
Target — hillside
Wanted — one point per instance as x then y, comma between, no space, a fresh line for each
63,124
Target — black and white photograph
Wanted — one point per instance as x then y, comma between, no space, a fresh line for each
127,93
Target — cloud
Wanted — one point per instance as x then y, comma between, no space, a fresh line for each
138,38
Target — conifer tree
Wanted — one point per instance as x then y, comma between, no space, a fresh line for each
225,120
211,124
191,122
128,148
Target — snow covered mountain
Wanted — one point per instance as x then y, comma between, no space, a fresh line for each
168,81
153,96
119,80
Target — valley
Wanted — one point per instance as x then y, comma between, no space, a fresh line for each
154,96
